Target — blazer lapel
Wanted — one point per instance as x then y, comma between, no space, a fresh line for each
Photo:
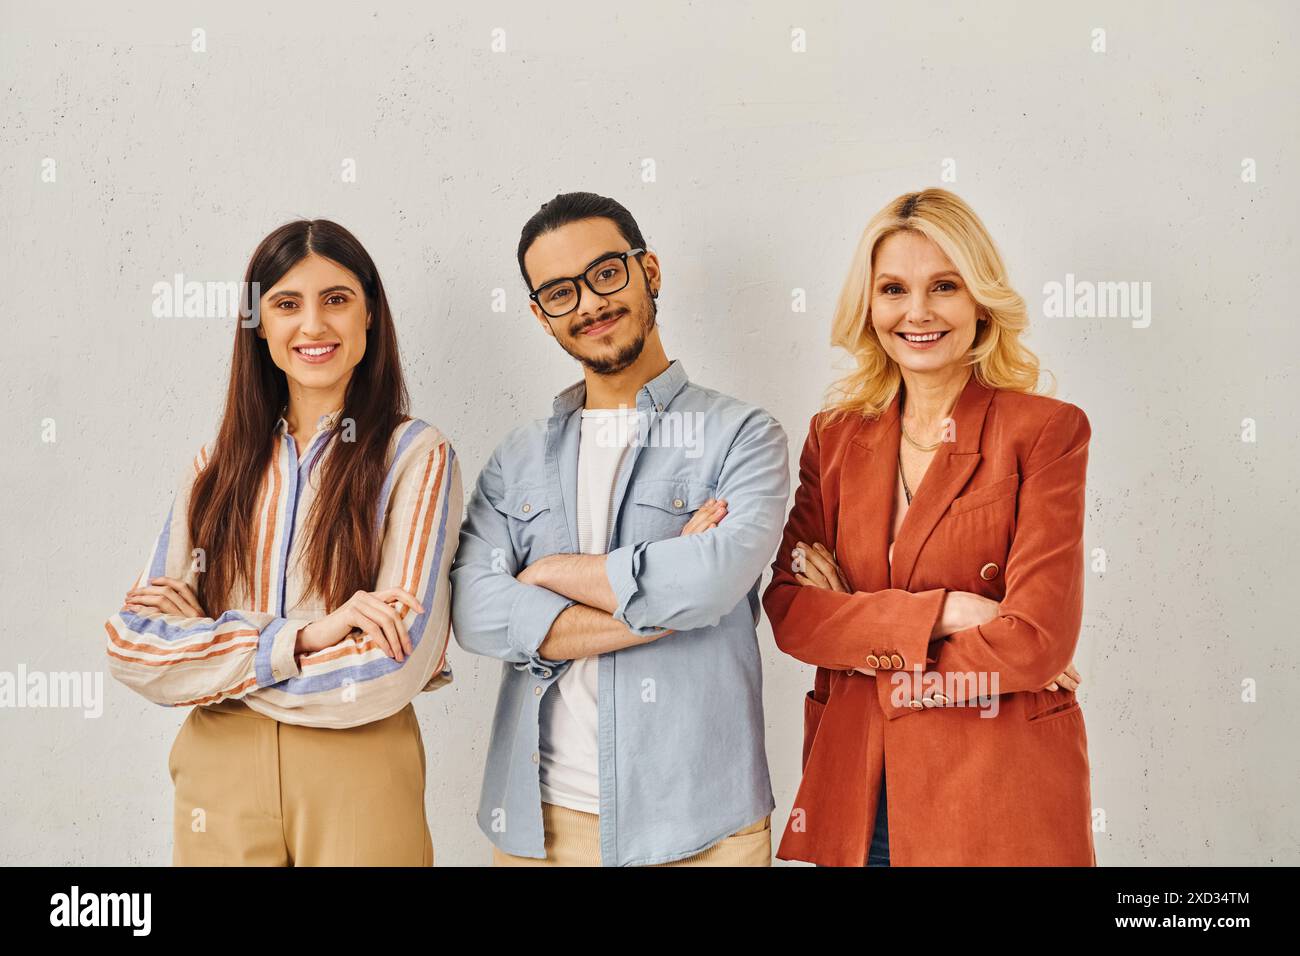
953,464
866,495
867,488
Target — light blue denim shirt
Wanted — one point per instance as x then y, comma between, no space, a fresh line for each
680,720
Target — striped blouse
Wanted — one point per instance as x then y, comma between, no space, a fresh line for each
246,653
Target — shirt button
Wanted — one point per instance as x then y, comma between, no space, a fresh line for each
546,672
527,508
537,691
896,660
989,571
535,758
885,663
873,661
658,407
677,502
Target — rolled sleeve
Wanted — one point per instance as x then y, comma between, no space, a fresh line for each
531,617
693,581
622,566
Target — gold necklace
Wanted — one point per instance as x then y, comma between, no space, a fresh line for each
913,442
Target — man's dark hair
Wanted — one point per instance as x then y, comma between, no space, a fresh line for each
572,207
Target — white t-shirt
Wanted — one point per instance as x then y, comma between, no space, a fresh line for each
569,760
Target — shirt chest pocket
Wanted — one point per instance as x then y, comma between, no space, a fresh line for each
661,507
533,530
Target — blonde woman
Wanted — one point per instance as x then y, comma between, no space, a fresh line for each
932,569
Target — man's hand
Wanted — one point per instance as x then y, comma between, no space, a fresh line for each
535,572
707,517
582,578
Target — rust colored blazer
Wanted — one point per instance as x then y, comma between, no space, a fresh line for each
999,512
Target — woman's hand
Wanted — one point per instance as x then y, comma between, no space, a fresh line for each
819,568
378,615
1070,680
816,567
169,595
963,609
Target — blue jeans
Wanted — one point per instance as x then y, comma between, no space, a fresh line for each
878,855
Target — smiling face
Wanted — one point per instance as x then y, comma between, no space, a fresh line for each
921,309
606,332
314,321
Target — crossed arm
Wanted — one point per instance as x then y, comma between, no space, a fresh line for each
588,628
163,644
960,609
566,606
817,618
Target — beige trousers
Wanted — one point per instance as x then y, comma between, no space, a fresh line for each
252,791
573,839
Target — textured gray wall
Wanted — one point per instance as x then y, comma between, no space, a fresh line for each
1123,165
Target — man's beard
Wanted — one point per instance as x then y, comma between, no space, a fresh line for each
624,357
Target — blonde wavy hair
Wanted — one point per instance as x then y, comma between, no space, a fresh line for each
999,358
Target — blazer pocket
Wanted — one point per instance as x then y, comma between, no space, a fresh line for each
1002,488
812,718
1049,704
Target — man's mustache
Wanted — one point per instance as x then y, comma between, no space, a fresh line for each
579,329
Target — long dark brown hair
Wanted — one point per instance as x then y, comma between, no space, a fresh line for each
341,547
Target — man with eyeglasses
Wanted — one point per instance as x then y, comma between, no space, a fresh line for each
611,557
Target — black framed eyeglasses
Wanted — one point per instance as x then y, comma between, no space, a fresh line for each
605,276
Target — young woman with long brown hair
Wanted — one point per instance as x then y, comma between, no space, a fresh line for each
296,598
